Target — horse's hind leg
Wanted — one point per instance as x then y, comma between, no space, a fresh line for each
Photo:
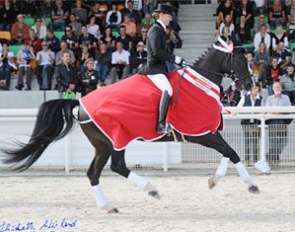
218,143
118,165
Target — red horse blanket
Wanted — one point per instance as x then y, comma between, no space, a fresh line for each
128,110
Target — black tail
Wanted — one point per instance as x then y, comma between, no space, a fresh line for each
49,127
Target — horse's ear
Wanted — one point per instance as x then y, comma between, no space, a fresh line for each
236,39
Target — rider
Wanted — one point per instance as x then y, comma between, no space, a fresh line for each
156,58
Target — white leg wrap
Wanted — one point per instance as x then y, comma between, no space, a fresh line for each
99,196
137,179
244,174
222,168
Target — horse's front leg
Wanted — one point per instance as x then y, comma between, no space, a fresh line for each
118,165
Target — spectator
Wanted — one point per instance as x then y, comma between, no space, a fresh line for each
279,36
262,60
33,41
249,126
277,14
88,78
262,36
283,56
288,83
233,94
83,57
277,127
19,31
148,6
291,20
76,26
7,16
108,38
246,9
224,9
147,21
87,39
129,25
45,69
93,28
243,30
80,12
225,35
39,29
274,74
132,12
99,16
120,62
250,61
6,67
52,41
65,75
124,38
24,58
136,4
114,17
227,22
72,41
103,58
47,9
59,14
261,21
59,55
139,58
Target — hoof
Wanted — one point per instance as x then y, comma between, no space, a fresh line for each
154,193
211,183
114,210
254,189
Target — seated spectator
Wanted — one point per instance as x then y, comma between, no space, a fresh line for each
291,21
7,16
147,21
261,21
88,39
103,58
24,58
52,41
19,31
142,37
225,35
227,22
59,14
45,68
7,65
80,12
283,56
288,83
120,62
65,76
138,58
136,5
246,9
88,78
274,74
72,41
277,14
262,36
233,94
262,60
59,55
47,8
243,30
149,6
83,57
224,9
108,38
114,17
124,38
34,41
76,26
39,29
93,28
250,62
99,16
133,13
129,25
279,36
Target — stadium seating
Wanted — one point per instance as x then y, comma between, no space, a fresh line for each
59,34
5,35
14,48
29,21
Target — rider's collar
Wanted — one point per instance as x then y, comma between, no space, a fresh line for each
162,24
228,48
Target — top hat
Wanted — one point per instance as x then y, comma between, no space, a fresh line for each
164,9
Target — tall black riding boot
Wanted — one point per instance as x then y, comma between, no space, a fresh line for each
163,108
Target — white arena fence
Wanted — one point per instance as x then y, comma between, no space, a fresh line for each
75,152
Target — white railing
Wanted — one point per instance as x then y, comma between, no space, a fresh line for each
75,150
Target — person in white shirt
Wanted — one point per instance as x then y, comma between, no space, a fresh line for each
120,62
44,70
39,29
262,36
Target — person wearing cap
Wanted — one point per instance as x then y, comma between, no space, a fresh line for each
19,31
156,59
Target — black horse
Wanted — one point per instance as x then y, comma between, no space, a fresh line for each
55,119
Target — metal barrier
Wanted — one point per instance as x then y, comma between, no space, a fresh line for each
75,151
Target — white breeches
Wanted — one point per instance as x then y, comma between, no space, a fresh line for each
161,81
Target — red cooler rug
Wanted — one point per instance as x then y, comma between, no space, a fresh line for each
128,110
